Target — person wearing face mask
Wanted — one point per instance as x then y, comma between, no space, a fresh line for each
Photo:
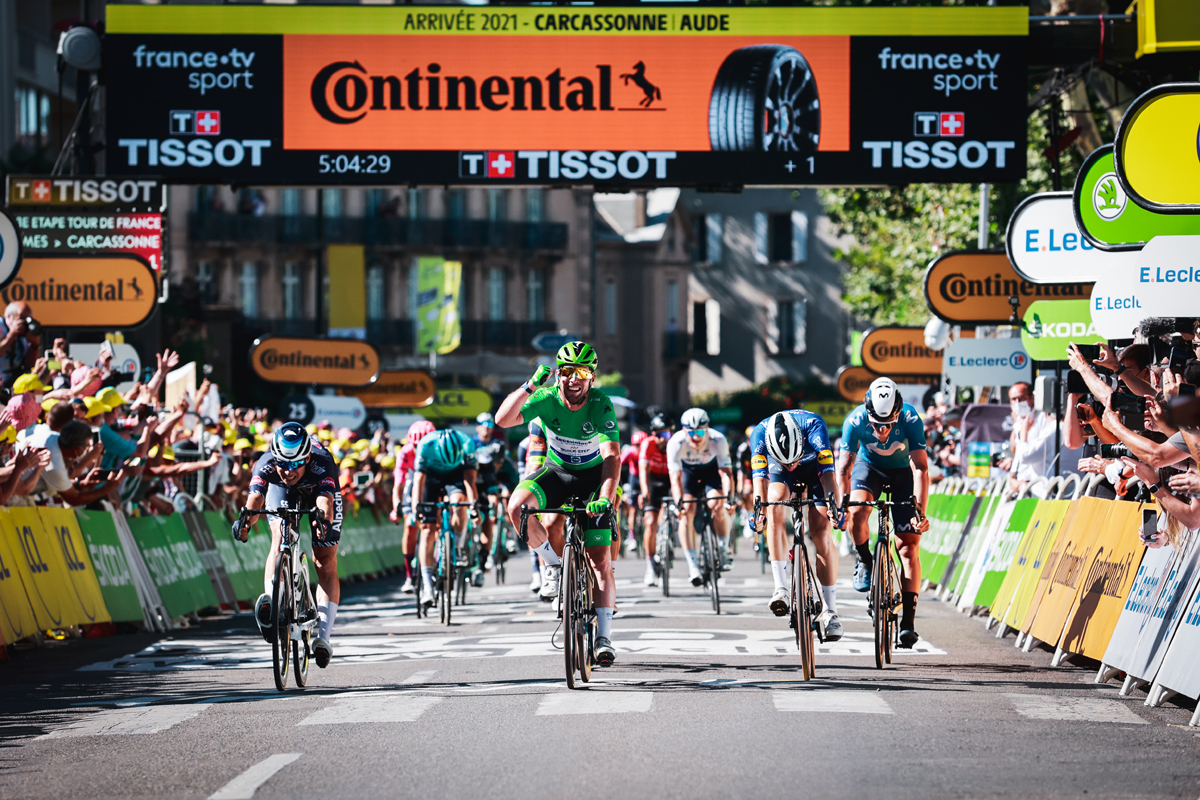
1032,441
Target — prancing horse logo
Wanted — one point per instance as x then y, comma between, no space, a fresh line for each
638,76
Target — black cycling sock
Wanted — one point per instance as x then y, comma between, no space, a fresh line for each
909,615
864,553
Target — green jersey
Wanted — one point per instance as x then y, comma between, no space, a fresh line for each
573,437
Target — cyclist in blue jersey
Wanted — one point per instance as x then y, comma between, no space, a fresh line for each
883,447
789,456
444,469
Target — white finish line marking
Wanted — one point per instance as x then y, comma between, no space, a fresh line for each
1080,709
419,677
245,785
372,708
825,700
133,720
606,702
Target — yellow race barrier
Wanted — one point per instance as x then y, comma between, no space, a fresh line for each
1107,580
62,526
1034,560
1059,583
16,617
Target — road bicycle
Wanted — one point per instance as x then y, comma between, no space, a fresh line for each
887,576
708,551
665,542
293,609
449,585
503,545
577,611
804,600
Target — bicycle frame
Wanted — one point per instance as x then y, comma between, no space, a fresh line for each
709,550
805,605
886,587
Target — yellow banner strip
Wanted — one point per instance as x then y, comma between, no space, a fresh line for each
642,21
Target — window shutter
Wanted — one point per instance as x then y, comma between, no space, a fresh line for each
799,326
714,230
761,237
799,237
712,327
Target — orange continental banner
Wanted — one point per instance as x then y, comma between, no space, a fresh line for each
973,287
395,389
85,291
852,382
329,362
581,92
893,350
1105,582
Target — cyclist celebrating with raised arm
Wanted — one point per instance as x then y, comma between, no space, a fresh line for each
295,473
791,455
444,468
699,464
583,459
655,482
883,445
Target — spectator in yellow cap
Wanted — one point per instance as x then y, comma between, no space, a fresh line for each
29,382
117,435
95,408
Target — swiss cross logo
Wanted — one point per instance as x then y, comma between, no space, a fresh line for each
41,190
501,163
208,123
953,123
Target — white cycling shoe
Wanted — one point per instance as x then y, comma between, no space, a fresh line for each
408,587
651,578
535,583
833,628
550,578
322,652
779,603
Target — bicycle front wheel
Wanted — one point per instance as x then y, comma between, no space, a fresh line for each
566,605
713,558
583,619
447,576
301,654
880,602
664,557
802,611
281,612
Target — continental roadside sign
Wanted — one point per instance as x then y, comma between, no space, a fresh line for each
81,291
1109,219
408,388
895,350
1156,155
852,382
326,362
973,287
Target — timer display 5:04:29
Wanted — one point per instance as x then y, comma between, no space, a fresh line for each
370,164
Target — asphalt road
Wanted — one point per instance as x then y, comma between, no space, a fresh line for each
696,706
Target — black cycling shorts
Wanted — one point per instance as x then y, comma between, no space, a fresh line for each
878,480
660,489
438,488
805,476
281,497
698,479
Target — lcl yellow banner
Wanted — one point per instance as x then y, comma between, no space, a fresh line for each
1157,158
894,350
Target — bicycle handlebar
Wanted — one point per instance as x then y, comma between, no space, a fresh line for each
278,512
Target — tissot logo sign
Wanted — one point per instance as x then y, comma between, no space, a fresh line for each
619,96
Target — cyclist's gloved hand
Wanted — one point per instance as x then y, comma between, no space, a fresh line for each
394,517
837,516
598,507
240,530
540,375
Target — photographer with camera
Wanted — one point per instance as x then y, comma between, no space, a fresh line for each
20,342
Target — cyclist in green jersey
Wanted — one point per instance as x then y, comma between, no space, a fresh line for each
583,459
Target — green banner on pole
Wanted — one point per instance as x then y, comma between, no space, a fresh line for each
439,328
111,565
1112,221
1051,325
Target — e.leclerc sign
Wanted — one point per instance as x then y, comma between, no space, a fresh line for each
1165,283
1051,325
1045,244
328,362
1109,219
986,362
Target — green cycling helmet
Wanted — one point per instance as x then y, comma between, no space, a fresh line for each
577,354
448,447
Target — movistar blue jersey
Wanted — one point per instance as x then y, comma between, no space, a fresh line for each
816,445
906,436
429,459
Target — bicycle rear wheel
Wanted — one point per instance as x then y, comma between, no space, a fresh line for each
881,611
447,576
713,567
281,612
301,654
664,557
566,607
583,618
802,611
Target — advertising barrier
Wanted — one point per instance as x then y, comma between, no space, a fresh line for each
1178,673
973,287
1155,149
174,564
1164,609
1032,561
62,527
1045,245
978,568
1058,585
42,570
111,567
16,615
1000,553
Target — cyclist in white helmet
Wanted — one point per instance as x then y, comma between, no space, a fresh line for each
791,456
883,448
699,464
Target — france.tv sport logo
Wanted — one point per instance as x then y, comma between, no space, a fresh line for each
1017,360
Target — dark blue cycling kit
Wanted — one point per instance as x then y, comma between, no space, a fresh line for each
816,460
320,478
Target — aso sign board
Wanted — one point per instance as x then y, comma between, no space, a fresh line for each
670,96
